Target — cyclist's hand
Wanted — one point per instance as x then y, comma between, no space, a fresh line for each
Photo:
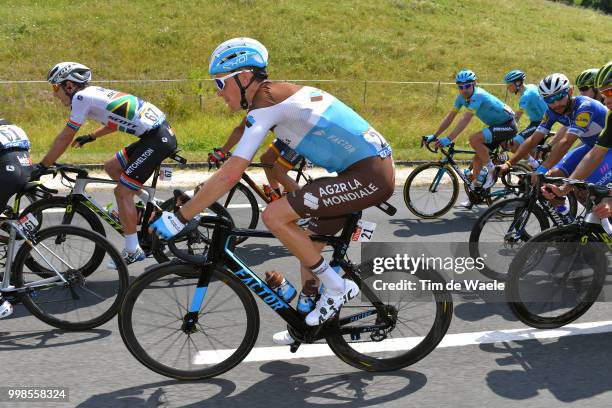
81,140
444,142
167,225
37,170
603,209
216,156
551,191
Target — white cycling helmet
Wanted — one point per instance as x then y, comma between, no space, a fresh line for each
69,71
552,84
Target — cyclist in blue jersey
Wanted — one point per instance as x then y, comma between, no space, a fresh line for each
596,166
498,117
530,102
582,117
316,125
585,81
15,168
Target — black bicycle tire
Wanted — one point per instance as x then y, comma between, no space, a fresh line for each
158,245
478,226
441,323
254,210
410,179
100,242
85,212
512,285
158,271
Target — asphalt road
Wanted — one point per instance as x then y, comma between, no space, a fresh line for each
513,368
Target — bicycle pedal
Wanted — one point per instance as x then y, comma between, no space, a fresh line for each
294,347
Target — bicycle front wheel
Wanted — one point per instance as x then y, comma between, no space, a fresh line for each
194,244
431,190
153,322
501,231
90,296
556,277
416,325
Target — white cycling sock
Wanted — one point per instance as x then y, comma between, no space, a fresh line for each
131,242
328,276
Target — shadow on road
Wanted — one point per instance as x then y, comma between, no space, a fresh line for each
462,221
51,338
286,385
256,254
567,368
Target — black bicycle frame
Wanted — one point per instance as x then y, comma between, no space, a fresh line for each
220,255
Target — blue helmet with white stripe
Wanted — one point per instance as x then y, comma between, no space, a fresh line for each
465,76
238,53
514,75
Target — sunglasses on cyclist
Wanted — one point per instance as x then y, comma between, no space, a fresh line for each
584,88
606,92
556,97
220,82
465,86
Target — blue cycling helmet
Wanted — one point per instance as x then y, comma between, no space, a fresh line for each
514,75
465,76
238,53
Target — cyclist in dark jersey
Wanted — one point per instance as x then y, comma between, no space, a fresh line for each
132,165
15,168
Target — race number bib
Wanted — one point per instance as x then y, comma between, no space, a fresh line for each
363,231
27,223
165,173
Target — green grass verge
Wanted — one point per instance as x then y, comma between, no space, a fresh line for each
412,40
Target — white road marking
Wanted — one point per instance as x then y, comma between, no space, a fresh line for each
450,340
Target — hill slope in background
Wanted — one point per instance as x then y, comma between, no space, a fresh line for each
352,41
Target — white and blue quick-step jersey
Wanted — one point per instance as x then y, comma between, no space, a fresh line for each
316,125
586,120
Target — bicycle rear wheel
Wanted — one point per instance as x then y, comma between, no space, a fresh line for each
242,205
419,322
92,295
153,322
431,190
52,211
556,277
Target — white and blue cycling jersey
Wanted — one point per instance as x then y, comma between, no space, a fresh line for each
12,136
489,109
317,126
585,120
532,103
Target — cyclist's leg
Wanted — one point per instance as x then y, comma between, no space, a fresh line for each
268,158
286,159
138,161
478,142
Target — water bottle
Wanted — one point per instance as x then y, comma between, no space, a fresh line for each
482,177
564,212
281,286
468,173
270,192
113,211
307,298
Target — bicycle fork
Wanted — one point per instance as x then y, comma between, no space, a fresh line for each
190,319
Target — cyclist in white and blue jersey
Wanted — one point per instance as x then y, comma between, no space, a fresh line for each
317,126
582,117
498,117
530,102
